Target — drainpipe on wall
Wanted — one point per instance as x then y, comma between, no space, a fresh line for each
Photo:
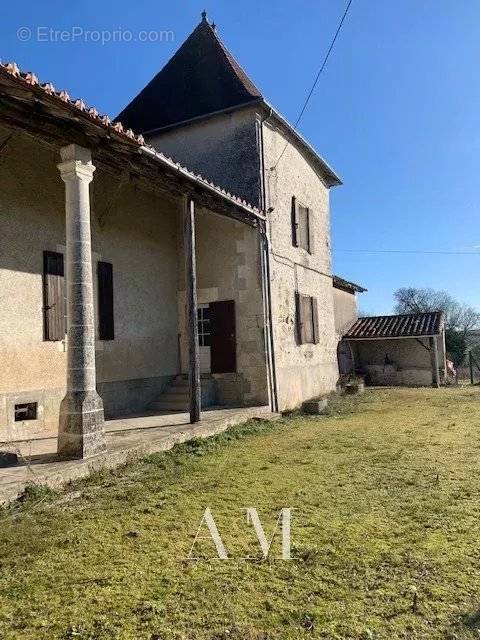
266,286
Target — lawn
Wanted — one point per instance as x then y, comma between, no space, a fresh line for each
385,533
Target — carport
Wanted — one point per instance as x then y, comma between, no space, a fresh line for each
399,350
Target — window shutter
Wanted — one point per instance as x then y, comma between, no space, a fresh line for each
54,325
307,324
105,301
294,222
311,233
316,330
298,318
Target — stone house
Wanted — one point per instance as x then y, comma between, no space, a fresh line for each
121,270
203,110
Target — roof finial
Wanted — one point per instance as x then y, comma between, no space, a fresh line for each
204,16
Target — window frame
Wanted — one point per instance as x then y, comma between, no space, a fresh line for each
204,323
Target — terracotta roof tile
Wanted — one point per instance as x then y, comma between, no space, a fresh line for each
12,69
400,326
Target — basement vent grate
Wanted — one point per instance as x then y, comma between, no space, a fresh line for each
27,411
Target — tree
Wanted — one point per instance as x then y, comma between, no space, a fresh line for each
460,319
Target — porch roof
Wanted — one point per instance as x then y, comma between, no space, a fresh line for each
57,119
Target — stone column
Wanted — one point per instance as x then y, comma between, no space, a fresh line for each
81,432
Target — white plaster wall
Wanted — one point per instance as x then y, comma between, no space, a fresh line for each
303,371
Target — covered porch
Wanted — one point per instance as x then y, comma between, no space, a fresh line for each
199,258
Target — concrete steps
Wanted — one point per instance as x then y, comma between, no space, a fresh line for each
176,395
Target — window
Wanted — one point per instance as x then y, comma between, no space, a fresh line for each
54,325
204,327
306,320
302,231
105,301
27,411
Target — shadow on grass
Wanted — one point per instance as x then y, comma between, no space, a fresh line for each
465,626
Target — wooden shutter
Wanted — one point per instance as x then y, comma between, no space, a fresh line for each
311,233
294,222
316,329
298,318
105,301
302,233
307,320
54,325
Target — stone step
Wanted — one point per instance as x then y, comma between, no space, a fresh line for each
176,397
176,390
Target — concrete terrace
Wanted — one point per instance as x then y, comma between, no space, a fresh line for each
127,439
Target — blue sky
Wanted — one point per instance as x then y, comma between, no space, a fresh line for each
396,112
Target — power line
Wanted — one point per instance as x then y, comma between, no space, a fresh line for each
441,253
324,63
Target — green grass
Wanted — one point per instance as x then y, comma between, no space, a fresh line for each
386,499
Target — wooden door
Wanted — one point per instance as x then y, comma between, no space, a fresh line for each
223,339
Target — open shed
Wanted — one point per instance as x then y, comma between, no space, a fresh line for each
399,349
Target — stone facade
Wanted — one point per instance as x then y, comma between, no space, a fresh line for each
398,362
228,268
137,231
224,148
220,147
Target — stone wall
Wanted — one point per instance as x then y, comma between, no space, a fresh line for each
138,232
222,148
228,268
346,312
227,149
397,362
303,371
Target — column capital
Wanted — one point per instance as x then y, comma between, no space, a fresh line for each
76,163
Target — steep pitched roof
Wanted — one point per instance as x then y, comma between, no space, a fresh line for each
201,78
412,325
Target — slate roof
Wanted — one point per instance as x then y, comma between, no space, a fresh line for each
414,325
346,285
201,78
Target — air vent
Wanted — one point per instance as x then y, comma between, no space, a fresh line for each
26,411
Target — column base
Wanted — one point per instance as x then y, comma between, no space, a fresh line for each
81,431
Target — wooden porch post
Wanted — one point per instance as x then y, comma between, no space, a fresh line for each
191,300
434,361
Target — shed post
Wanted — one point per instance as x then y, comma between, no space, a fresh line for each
434,361
191,300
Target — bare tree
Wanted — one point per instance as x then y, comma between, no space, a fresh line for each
458,317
